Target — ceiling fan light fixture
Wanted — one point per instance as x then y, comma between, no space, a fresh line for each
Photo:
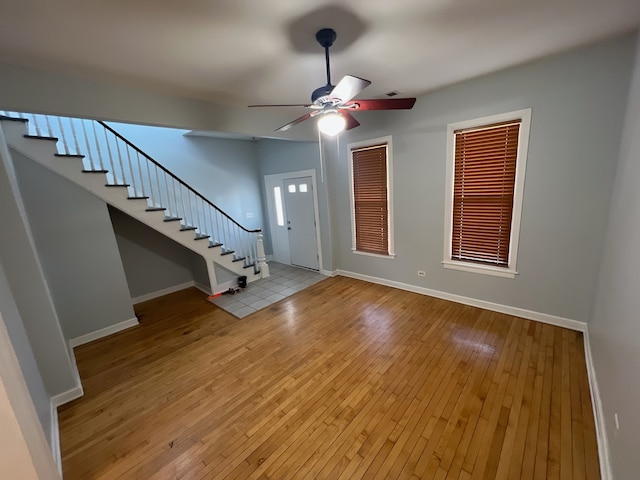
331,123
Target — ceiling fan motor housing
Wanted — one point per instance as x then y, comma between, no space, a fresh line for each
319,93
326,37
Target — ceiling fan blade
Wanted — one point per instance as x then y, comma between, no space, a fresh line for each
295,122
351,120
349,87
283,105
384,104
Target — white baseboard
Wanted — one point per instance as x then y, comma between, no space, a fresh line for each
55,402
598,413
66,397
494,307
202,287
55,438
160,293
329,273
103,332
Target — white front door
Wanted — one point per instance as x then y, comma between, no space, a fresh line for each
301,225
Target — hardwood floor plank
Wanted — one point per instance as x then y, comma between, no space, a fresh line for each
346,379
531,445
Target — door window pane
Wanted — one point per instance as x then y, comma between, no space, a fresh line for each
277,194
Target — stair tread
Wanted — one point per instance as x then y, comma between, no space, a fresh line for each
172,219
13,119
186,229
40,137
228,252
117,185
214,245
155,209
201,237
70,155
238,259
137,198
95,171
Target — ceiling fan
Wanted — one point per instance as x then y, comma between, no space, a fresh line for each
334,104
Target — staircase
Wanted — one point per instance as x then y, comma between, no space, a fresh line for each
95,157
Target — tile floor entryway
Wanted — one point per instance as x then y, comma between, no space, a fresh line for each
284,280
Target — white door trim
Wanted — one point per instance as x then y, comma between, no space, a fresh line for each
278,179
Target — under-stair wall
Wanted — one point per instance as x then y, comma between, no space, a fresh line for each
96,158
153,263
76,244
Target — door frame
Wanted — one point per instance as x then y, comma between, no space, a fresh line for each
280,244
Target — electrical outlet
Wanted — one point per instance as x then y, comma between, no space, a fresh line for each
422,273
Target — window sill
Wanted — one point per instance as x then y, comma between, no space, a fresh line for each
391,256
484,269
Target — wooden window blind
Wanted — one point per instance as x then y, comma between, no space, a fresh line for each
370,199
483,190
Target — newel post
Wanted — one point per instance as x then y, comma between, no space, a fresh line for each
262,258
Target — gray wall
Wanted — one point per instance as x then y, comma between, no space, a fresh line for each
152,261
76,244
614,329
578,101
31,90
224,171
30,290
22,347
278,156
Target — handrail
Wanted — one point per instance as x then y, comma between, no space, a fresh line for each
148,157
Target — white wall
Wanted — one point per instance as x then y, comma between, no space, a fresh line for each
77,247
578,101
614,329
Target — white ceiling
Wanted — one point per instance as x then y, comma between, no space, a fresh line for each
264,51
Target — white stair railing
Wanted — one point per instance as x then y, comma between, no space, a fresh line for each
105,150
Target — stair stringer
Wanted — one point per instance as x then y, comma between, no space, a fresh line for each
43,151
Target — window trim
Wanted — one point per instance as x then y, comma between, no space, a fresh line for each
370,143
521,161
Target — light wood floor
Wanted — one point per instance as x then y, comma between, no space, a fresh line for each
344,380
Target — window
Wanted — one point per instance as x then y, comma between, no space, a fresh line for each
303,188
277,194
292,188
371,199
485,178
